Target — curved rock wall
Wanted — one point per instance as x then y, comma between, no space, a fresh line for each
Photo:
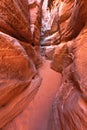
77,20
50,24
14,19
19,79
62,21
35,12
70,106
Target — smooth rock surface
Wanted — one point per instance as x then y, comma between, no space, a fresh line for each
37,114
16,73
60,103
70,106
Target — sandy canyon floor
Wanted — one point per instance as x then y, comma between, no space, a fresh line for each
37,114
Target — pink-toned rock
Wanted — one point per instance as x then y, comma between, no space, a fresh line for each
36,116
35,12
49,52
65,10
53,39
77,20
61,58
16,73
50,24
80,49
70,106
33,53
62,20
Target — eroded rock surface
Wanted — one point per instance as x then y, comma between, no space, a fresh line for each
35,11
14,19
70,106
19,79
50,24
16,73
58,22
77,20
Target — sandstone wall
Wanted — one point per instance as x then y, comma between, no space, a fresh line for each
63,23
70,106
14,19
35,11
19,79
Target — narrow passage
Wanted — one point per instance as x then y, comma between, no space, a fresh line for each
37,114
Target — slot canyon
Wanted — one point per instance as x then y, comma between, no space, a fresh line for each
43,75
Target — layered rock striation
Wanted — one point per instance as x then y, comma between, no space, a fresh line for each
24,27
35,12
70,106
19,79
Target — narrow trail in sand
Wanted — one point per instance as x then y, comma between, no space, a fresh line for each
37,114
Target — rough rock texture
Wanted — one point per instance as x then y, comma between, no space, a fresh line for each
70,106
16,73
65,10
77,20
35,12
80,50
64,22
36,115
19,79
51,40
49,52
50,24
33,53
61,58
14,19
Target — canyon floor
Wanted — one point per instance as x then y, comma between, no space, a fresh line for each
37,115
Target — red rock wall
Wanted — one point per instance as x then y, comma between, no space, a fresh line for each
19,80
71,100
35,11
70,106
14,19
50,24
20,28
77,20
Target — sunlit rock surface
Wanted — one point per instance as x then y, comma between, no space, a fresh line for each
19,79
77,20
57,29
35,13
70,106
50,24
61,58
17,70
14,19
